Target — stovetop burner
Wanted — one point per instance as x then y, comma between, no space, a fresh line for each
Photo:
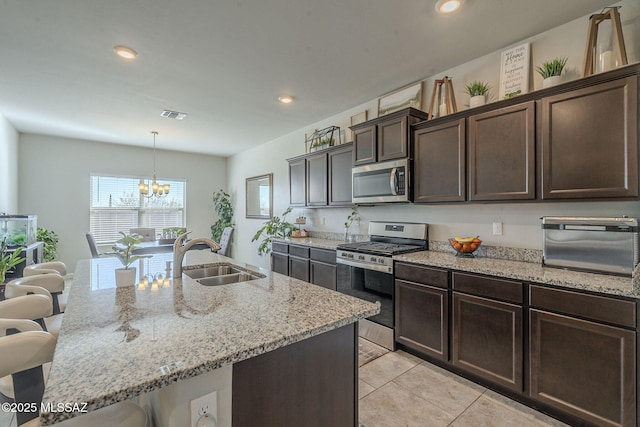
380,248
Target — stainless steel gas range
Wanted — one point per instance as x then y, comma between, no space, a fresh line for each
365,270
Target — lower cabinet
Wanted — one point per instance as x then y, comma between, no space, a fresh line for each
569,353
314,265
422,310
583,367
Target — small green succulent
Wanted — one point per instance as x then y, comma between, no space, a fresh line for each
477,88
552,68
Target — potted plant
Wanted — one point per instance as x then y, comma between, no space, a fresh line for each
50,239
124,248
477,92
274,228
353,216
8,259
224,209
551,71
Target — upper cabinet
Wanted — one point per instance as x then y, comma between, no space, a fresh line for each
502,154
578,140
321,178
589,141
384,138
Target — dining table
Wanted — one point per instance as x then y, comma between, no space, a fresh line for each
159,247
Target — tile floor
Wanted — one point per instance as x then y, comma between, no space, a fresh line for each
398,389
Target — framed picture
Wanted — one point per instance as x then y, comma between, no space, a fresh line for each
514,71
410,96
359,118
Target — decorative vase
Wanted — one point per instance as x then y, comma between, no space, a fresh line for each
125,276
551,81
346,234
478,100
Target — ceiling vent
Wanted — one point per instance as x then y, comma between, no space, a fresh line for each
173,115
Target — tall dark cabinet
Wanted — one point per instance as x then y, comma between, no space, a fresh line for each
297,182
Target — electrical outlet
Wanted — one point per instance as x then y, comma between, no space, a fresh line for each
207,404
497,229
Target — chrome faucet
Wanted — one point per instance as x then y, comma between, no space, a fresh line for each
179,250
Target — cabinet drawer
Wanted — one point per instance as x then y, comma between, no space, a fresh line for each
593,307
283,248
323,255
489,287
425,275
301,251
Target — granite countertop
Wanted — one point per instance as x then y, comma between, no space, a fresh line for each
526,271
117,343
313,242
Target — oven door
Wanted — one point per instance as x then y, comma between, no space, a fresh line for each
370,285
381,182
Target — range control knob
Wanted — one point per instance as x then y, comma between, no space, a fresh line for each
361,257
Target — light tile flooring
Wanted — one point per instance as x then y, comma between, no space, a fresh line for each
401,390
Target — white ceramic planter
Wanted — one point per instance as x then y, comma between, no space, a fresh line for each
476,101
125,277
551,81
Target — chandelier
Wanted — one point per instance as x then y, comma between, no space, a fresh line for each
157,189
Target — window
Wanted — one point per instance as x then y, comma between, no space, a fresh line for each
116,205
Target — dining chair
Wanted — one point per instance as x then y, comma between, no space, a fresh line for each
24,355
93,247
54,283
147,234
225,241
57,267
31,303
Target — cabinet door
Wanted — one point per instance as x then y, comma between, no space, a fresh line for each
393,139
323,274
583,368
297,182
487,339
340,162
589,142
364,145
422,318
299,268
440,163
317,180
280,263
502,154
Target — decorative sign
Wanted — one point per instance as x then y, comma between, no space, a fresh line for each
514,71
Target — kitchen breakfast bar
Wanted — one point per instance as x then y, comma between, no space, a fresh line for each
289,348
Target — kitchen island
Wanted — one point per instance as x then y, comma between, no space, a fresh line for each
119,343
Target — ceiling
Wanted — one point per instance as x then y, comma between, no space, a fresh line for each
226,62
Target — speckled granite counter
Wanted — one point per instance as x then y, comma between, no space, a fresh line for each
526,271
313,242
116,343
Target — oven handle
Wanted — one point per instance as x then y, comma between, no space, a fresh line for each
382,268
393,181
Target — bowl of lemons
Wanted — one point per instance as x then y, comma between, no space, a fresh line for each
465,246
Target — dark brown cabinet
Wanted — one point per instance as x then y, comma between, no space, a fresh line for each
280,258
589,141
340,183
323,268
579,364
487,332
384,138
297,182
321,178
364,145
422,309
502,154
439,173
299,262
317,180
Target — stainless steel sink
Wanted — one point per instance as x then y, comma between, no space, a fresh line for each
226,279
218,270
221,274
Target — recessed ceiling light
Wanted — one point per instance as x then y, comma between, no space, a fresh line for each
286,99
448,6
125,52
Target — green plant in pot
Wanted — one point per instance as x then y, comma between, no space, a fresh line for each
353,216
8,259
477,92
224,209
123,249
50,239
274,228
551,71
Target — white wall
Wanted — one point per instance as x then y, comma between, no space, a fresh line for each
8,167
521,221
54,183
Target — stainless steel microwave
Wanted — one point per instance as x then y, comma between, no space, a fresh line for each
386,182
